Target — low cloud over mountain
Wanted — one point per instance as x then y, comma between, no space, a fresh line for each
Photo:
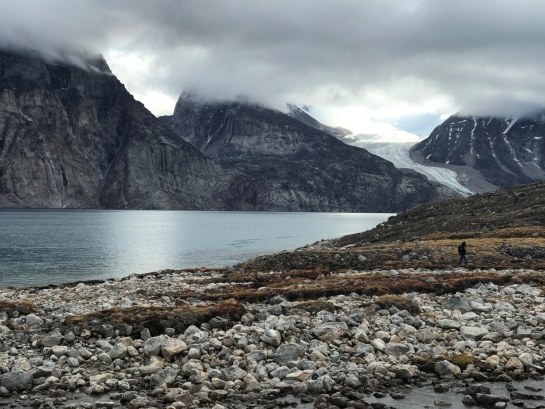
393,58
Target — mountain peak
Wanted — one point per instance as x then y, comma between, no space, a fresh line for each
507,151
298,166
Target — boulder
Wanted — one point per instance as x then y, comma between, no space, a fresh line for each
352,381
288,352
489,399
280,372
153,345
59,350
272,337
526,359
523,332
45,370
449,324
504,306
53,338
257,355
119,351
219,322
457,303
361,335
445,368
403,372
330,331
233,373
472,333
163,376
33,320
396,349
16,381
172,348
527,290
513,364
425,335
378,344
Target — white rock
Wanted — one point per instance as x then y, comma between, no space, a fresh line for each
272,337
59,350
378,344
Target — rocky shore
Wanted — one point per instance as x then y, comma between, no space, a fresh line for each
123,343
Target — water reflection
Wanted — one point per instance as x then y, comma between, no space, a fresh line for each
40,247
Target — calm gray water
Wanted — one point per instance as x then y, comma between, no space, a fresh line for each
41,247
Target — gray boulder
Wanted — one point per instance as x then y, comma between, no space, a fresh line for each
445,368
449,324
45,370
32,320
163,376
281,372
288,352
119,351
488,399
258,355
457,303
403,372
233,373
16,381
152,346
330,331
396,349
219,322
475,333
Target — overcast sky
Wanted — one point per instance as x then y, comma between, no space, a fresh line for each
371,66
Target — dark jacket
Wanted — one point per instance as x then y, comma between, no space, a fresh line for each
462,250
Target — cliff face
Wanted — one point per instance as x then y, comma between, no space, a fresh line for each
507,151
297,167
75,137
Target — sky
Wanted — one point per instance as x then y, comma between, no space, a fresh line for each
395,68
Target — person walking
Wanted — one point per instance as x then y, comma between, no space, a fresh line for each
462,252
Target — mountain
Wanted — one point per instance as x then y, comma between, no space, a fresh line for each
74,137
302,114
297,167
506,151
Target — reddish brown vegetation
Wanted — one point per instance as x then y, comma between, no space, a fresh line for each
156,319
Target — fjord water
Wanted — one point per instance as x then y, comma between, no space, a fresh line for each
42,247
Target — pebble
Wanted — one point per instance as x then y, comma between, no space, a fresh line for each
332,358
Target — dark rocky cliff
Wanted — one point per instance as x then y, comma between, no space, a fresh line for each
507,151
297,167
75,137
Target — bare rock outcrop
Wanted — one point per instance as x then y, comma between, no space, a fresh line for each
74,137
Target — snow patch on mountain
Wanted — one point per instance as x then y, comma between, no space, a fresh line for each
510,125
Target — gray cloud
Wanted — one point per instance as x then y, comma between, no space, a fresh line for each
484,57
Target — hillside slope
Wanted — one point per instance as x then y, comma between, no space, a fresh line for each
503,229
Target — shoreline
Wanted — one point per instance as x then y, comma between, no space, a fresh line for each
131,342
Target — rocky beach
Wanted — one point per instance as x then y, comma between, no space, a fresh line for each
124,343
369,320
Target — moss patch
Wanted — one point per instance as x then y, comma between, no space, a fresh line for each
24,307
401,303
157,319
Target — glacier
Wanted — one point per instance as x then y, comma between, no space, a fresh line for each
398,154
